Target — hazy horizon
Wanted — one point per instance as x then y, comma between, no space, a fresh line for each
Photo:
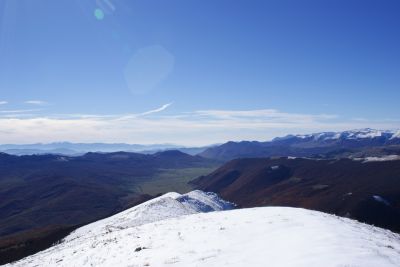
177,145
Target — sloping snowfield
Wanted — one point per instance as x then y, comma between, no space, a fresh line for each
167,231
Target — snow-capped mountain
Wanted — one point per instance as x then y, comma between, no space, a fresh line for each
366,133
172,230
329,144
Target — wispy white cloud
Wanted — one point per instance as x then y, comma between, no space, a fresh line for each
119,116
3,102
36,102
190,128
13,111
136,115
162,108
264,114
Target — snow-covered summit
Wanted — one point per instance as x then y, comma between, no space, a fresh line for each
155,234
366,133
167,206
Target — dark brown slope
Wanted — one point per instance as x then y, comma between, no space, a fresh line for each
21,245
38,191
368,192
44,195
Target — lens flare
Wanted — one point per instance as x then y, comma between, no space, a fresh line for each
147,68
99,14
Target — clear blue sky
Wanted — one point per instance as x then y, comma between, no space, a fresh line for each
230,69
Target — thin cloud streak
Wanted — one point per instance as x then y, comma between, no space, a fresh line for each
36,102
13,111
263,114
153,111
162,108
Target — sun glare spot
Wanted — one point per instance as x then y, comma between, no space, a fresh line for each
99,14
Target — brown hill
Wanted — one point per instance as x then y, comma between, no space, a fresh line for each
42,197
368,192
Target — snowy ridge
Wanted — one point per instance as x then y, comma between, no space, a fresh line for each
351,135
167,206
269,236
199,201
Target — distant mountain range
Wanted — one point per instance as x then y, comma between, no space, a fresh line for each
76,149
356,143
367,190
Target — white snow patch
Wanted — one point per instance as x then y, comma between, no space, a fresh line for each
395,135
368,134
383,158
333,136
381,199
199,201
303,136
